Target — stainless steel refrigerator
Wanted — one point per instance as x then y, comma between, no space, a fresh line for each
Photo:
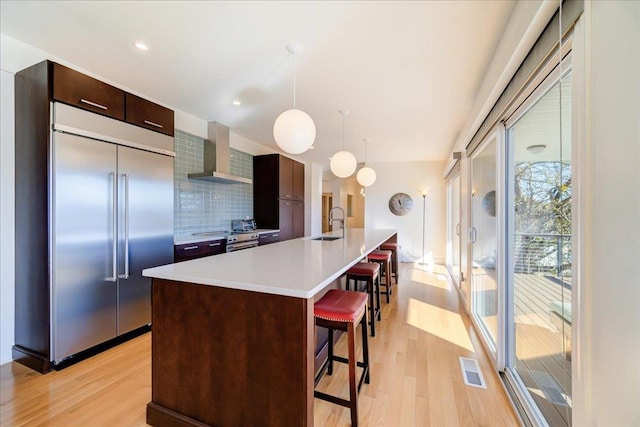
111,216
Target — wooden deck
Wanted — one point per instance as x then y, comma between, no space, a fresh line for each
542,360
540,346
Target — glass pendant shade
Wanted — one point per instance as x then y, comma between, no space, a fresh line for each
366,176
294,131
343,164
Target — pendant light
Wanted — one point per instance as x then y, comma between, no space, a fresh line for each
366,176
343,163
294,130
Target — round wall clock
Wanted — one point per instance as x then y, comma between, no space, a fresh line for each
489,203
400,204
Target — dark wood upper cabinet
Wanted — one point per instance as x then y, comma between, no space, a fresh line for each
278,194
298,181
80,90
286,178
77,89
149,115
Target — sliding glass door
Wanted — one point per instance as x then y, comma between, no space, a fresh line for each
453,228
539,234
483,238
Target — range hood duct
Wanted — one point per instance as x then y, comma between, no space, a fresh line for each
217,157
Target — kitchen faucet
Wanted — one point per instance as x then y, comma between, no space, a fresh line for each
342,220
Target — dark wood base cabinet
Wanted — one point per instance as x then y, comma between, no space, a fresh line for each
268,238
228,357
189,251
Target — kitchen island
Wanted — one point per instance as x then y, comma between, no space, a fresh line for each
233,335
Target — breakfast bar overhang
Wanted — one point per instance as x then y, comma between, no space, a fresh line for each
233,334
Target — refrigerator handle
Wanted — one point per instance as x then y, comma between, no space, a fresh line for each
126,225
114,225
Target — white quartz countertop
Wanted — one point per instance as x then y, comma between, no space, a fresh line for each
297,268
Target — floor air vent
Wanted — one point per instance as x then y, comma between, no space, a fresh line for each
471,372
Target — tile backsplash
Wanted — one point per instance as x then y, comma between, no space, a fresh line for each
201,205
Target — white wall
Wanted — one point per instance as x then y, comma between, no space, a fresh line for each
313,199
607,371
410,178
351,187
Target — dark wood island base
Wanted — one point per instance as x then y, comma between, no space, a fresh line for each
229,357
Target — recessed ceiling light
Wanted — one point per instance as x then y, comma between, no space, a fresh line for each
142,46
236,102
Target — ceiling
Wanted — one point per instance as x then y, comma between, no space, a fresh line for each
407,71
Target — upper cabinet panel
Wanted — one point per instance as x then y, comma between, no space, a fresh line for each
298,181
286,178
152,116
80,90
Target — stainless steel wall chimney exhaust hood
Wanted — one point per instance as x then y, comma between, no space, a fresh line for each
217,157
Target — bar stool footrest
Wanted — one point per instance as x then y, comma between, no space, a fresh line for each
332,399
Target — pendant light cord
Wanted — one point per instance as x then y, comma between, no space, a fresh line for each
343,114
294,80
366,152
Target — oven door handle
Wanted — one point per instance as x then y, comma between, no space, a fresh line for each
243,245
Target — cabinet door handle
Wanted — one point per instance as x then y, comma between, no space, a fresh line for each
153,124
287,195
188,248
214,244
287,203
93,104
275,235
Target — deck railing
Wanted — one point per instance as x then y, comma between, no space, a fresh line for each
543,253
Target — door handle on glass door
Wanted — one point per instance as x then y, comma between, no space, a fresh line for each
473,234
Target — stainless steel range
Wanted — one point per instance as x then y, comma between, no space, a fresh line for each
243,235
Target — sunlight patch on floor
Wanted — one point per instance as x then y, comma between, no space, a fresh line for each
439,322
427,278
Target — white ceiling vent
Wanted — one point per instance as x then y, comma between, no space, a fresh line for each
471,372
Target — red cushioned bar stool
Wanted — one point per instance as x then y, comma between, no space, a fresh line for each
393,247
368,272
384,259
344,310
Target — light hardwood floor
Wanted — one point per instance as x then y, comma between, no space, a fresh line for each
415,374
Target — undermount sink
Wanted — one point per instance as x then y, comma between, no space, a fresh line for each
328,238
